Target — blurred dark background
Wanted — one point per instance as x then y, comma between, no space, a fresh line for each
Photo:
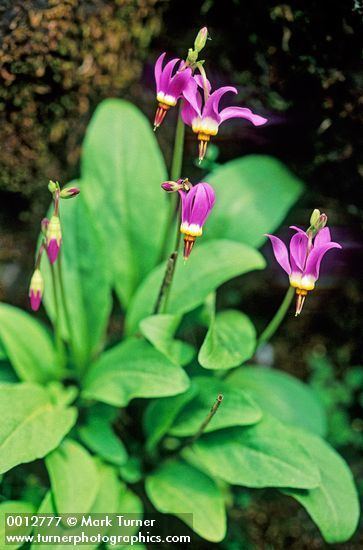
299,64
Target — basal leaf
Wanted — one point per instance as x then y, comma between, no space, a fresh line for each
160,330
122,168
74,478
230,340
254,194
236,409
133,369
334,505
32,425
180,489
210,265
282,395
27,345
267,454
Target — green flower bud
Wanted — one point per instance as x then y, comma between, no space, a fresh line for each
314,217
53,186
201,39
69,192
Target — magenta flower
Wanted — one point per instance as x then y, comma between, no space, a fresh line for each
54,238
303,265
169,86
206,118
36,290
196,207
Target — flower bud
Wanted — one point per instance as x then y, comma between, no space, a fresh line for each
69,192
53,186
314,217
192,56
201,39
36,290
321,222
54,238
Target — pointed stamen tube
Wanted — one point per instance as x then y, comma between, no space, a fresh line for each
160,114
189,241
300,299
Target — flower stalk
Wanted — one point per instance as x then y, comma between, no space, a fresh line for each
277,318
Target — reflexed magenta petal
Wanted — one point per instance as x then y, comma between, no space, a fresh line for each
211,107
35,300
322,237
188,113
185,210
197,204
298,229
193,97
242,112
314,259
53,250
165,76
280,252
199,80
298,250
179,82
158,70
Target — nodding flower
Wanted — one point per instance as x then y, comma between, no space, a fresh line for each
196,207
54,238
202,113
169,86
36,290
306,253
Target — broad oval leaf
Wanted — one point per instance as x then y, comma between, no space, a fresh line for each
283,396
267,454
180,489
73,477
210,265
27,345
32,425
230,340
133,369
122,168
160,330
236,409
86,280
15,507
334,505
254,194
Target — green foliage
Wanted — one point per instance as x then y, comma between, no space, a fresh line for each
180,489
117,175
267,454
334,504
13,507
237,408
28,346
32,425
73,478
230,341
253,195
210,265
133,369
283,396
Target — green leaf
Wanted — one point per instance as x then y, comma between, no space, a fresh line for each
282,395
97,434
230,340
28,345
13,507
123,168
254,194
132,506
133,369
180,489
32,425
267,454
210,265
86,280
236,409
160,330
74,478
3,354
161,413
334,505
